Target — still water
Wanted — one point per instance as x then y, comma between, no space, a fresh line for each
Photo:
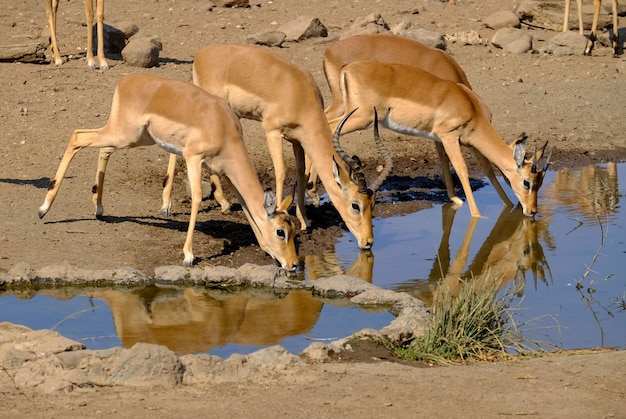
568,268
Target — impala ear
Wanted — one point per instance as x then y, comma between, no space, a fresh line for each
519,150
269,202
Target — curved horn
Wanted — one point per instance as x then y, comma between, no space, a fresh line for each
354,164
388,162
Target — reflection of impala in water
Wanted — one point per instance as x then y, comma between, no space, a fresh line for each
591,190
511,249
189,321
327,264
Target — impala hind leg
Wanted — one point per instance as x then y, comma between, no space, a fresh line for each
194,174
51,15
298,152
98,188
102,62
168,185
79,139
447,175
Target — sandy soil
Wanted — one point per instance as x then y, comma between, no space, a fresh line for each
574,102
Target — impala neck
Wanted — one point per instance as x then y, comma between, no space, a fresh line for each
493,147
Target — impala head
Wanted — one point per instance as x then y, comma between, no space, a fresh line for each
359,197
276,236
530,174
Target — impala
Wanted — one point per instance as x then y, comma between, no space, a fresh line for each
395,49
51,14
594,24
416,102
184,119
262,85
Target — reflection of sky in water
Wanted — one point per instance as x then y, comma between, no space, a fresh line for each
569,235
406,255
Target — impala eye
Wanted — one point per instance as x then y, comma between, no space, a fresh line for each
280,233
526,184
356,207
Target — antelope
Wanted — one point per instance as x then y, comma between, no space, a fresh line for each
594,24
418,103
185,120
262,85
396,49
51,15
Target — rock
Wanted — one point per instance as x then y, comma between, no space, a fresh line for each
231,3
465,38
408,30
512,40
141,53
566,43
370,24
127,27
302,28
268,38
146,364
341,286
34,52
114,39
502,19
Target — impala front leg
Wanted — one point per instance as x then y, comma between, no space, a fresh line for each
80,139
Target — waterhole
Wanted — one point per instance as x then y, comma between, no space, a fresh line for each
567,268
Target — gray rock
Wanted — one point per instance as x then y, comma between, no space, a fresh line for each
231,3
302,28
408,30
566,43
465,38
146,364
512,40
370,24
141,53
268,38
502,19
33,52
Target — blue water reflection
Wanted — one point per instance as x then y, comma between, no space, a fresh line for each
581,215
581,219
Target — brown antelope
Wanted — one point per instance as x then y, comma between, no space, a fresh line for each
594,24
416,102
184,119
51,14
262,85
395,49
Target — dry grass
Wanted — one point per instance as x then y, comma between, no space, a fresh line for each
476,324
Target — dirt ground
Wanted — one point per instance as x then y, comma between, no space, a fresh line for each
574,102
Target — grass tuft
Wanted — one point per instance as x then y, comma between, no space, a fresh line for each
471,324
